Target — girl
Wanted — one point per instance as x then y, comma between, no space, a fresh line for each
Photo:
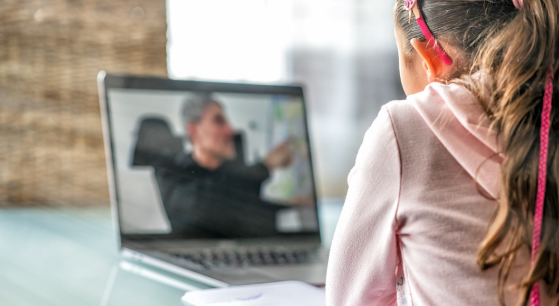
444,205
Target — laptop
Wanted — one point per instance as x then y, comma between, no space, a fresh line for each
212,181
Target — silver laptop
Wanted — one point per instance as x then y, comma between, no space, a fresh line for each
213,181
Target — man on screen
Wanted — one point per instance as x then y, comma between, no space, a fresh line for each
210,192
212,138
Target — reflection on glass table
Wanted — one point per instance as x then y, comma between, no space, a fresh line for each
69,256
132,283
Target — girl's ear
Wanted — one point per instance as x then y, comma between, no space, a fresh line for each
434,67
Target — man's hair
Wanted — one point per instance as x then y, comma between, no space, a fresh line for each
194,107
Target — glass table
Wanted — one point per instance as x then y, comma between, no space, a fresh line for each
68,256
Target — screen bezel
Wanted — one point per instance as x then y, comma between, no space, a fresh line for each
110,81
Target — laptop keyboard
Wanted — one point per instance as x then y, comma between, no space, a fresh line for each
211,259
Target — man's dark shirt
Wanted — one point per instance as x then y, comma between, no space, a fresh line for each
225,202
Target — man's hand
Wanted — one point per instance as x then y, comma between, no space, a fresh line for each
280,156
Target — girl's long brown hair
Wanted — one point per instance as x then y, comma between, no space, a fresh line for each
512,49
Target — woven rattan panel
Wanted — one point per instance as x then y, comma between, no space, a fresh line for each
51,149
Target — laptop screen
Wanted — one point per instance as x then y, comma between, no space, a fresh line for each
202,160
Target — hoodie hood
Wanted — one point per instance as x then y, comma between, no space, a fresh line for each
457,119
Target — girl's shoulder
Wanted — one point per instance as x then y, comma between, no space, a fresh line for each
447,120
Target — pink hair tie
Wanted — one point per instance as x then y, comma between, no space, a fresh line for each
542,174
519,4
411,6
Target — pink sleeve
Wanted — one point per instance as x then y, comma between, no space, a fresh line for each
363,256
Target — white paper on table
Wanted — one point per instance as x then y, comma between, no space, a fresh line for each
292,293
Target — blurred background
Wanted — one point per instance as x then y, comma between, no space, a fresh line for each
51,152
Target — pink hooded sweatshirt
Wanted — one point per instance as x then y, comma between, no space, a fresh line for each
414,216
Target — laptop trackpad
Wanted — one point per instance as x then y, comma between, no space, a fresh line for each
313,273
240,276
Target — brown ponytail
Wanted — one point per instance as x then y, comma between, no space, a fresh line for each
513,49
515,60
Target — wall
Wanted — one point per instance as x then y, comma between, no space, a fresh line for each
51,149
